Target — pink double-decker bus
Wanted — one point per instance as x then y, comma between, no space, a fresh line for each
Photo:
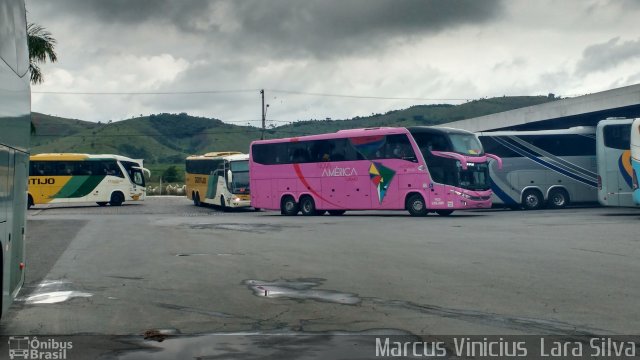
419,169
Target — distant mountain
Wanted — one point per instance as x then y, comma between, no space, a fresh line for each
162,138
165,139
419,115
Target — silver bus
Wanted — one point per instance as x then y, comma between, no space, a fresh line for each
545,168
615,172
15,119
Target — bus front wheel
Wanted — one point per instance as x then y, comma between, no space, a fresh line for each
416,205
29,202
532,200
223,206
116,199
196,199
308,206
288,206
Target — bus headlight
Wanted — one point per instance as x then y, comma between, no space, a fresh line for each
464,195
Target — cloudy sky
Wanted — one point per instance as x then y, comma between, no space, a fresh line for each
321,59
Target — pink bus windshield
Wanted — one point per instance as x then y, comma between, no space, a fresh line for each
369,169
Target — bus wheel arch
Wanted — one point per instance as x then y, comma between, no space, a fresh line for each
558,198
307,205
288,205
416,205
532,199
117,198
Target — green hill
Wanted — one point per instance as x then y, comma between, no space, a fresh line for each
50,128
419,115
165,139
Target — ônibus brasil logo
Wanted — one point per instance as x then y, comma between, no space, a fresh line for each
32,348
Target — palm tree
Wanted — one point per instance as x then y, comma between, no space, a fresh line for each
41,47
41,44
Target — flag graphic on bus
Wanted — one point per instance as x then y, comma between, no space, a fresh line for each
381,176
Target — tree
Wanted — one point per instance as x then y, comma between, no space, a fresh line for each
41,47
171,174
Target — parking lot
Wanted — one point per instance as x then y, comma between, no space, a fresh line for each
166,264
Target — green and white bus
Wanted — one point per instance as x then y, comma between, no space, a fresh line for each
219,179
15,120
71,178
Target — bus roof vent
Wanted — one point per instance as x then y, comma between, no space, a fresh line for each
365,129
222,153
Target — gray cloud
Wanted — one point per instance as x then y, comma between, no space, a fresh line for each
608,55
289,28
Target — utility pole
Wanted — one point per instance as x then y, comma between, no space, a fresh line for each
263,114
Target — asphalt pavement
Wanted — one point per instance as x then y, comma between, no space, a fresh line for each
166,265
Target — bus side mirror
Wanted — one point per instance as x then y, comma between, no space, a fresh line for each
496,158
229,177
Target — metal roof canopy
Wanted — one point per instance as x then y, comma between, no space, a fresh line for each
584,110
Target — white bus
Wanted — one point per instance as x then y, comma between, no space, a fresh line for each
70,178
219,179
635,159
15,119
615,174
546,168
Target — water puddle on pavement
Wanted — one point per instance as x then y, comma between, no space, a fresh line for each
244,227
205,254
54,297
300,289
52,292
284,344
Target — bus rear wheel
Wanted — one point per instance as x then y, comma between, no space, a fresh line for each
288,206
308,206
116,199
416,205
444,212
558,199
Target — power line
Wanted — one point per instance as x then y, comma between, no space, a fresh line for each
232,91
145,93
257,130
362,96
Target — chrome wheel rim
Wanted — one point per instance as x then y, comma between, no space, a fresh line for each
532,200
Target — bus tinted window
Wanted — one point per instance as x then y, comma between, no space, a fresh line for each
617,136
203,167
465,144
432,141
75,168
382,147
494,145
563,145
394,147
242,165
